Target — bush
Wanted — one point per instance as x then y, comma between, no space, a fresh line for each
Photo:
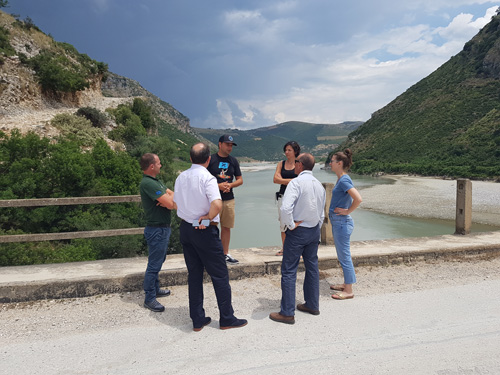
57,73
141,109
96,117
17,254
65,70
5,47
77,128
130,127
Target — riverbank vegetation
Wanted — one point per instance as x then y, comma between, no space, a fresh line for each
79,164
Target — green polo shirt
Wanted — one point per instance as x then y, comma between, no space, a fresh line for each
151,189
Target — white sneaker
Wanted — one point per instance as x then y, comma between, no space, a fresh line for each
231,260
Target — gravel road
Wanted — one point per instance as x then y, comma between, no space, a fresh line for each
429,318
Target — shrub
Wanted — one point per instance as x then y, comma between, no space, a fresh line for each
77,128
5,46
141,109
96,117
58,73
130,127
14,254
65,69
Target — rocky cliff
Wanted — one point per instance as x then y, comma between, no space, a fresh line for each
24,105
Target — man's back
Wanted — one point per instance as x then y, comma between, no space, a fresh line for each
304,200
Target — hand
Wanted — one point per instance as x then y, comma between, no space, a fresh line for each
341,211
200,220
297,223
225,187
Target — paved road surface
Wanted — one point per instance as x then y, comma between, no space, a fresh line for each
441,318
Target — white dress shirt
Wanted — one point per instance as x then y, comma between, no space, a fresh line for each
194,190
304,200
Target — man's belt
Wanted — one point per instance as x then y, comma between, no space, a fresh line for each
211,223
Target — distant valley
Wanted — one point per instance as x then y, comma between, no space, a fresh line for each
266,143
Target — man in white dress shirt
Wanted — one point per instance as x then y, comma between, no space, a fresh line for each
302,214
197,198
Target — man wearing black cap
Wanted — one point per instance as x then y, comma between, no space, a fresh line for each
225,167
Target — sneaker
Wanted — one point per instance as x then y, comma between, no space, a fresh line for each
238,323
154,305
162,293
231,260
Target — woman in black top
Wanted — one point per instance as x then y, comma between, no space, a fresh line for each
285,172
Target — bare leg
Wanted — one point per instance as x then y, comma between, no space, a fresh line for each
346,293
283,235
225,236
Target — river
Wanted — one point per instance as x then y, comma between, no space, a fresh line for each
257,216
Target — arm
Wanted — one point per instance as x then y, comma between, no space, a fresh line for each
287,205
215,208
277,179
356,201
237,182
167,200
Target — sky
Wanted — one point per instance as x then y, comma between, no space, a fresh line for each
254,63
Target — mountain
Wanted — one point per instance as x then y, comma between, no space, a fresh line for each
267,143
448,124
40,77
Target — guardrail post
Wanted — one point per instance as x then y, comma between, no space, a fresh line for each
463,219
326,228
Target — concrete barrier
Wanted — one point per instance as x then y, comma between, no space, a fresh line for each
83,279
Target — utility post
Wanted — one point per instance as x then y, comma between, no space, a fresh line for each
463,219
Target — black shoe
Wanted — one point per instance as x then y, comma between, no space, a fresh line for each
154,305
231,260
207,322
302,307
162,293
238,323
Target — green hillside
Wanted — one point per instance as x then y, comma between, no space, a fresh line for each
448,124
95,152
267,143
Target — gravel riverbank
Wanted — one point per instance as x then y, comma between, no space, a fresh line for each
432,198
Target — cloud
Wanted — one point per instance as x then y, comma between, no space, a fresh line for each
100,6
331,83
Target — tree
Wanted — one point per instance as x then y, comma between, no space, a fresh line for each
4,3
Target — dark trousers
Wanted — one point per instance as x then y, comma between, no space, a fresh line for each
203,251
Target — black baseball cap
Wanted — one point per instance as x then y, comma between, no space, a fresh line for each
226,138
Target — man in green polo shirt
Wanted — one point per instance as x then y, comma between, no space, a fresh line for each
157,202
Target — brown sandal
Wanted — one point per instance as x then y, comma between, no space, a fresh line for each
339,287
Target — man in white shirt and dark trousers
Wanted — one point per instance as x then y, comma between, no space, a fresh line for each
302,214
198,203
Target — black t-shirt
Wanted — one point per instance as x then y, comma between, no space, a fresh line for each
224,169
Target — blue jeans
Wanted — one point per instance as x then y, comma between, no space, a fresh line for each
342,227
157,239
300,241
